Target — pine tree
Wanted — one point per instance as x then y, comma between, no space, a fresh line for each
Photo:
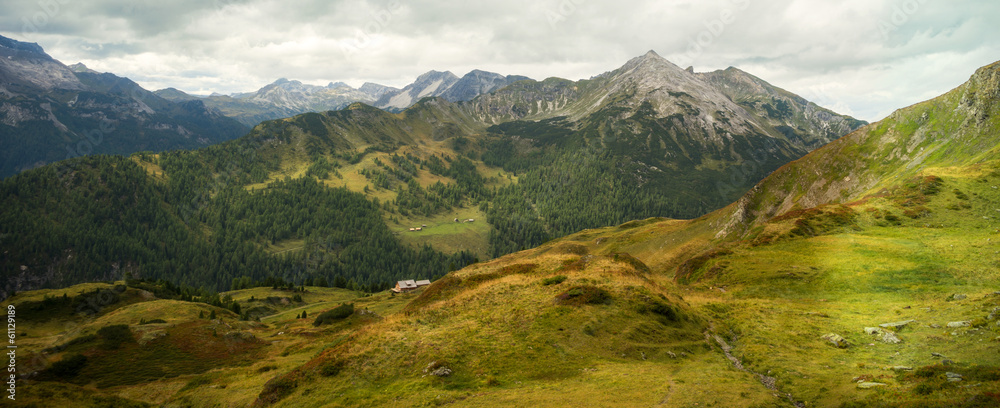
212,315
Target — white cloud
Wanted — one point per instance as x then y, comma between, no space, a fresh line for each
863,57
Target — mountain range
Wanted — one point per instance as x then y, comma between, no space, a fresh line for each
49,112
856,275
285,98
532,161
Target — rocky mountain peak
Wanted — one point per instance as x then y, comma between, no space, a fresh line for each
435,75
26,66
79,67
13,45
651,63
376,90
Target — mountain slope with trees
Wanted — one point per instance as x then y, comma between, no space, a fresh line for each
646,140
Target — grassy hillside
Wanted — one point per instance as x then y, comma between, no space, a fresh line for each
579,321
960,128
651,312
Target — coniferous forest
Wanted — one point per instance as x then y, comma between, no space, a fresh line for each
106,210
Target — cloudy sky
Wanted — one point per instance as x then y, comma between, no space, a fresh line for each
861,57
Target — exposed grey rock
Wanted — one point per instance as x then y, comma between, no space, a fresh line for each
437,368
953,377
810,125
884,336
964,323
375,91
441,372
896,325
26,65
836,340
890,338
868,385
902,368
956,296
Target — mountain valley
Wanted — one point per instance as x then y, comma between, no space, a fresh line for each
874,291
650,236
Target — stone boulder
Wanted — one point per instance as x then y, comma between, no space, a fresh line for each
896,325
884,336
836,340
441,372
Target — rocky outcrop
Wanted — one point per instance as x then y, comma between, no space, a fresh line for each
26,68
804,123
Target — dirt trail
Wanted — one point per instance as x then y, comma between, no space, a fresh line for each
769,382
670,393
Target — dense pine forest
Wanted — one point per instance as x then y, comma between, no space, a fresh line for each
107,211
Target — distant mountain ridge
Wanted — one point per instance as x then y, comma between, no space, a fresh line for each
285,98
448,86
50,112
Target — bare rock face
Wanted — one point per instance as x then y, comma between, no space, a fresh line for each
432,83
803,122
297,97
24,66
980,94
